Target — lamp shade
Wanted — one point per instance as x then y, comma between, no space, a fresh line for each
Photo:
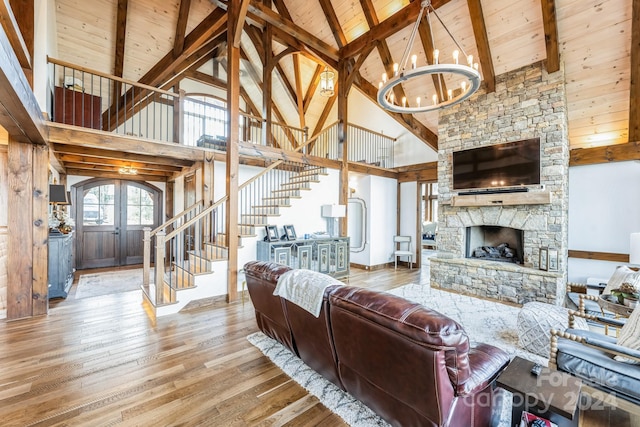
58,194
334,211
634,249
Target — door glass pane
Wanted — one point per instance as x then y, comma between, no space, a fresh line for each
98,206
139,206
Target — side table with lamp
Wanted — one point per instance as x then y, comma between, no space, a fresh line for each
60,273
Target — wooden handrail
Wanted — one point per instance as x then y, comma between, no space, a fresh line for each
372,132
111,77
175,218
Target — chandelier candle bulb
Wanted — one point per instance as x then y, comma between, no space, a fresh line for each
463,85
475,66
435,99
470,60
379,85
391,97
455,56
436,54
384,77
418,101
450,94
395,69
414,61
404,101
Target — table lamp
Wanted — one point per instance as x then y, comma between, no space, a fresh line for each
332,213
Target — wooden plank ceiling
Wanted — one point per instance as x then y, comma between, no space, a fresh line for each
160,43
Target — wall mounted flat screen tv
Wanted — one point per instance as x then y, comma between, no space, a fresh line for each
512,164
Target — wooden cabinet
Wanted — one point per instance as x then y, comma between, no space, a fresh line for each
60,264
325,255
74,107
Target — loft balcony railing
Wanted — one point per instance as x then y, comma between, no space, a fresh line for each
91,99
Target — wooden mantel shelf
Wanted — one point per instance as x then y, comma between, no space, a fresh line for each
503,199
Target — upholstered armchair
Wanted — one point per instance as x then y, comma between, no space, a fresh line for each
590,356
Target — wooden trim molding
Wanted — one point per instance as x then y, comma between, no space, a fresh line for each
599,256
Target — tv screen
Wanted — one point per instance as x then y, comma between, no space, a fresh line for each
502,165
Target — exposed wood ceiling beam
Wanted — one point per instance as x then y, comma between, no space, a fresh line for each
288,40
244,5
407,121
282,9
325,113
482,42
181,27
293,30
426,39
383,48
115,175
399,20
334,24
634,95
212,26
14,35
299,94
605,154
20,113
356,66
70,159
121,35
92,168
550,35
90,138
315,81
119,156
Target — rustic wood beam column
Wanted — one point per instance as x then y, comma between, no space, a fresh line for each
233,130
25,18
27,263
550,35
121,35
267,81
634,96
482,42
343,123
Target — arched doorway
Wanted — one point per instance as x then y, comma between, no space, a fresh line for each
110,217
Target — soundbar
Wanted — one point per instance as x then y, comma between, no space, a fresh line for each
494,191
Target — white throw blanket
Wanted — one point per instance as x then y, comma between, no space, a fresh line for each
305,288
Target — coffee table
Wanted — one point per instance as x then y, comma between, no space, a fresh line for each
552,395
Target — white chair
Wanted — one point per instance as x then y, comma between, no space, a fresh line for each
399,251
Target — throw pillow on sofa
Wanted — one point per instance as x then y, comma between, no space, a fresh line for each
630,335
621,275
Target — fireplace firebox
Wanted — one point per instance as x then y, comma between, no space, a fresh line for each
495,243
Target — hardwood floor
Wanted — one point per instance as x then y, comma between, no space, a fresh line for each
102,362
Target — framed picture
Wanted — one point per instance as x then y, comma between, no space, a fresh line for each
544,259
304,257
272,233
323,257
552,260
282,255
290,232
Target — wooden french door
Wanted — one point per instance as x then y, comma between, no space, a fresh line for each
110,217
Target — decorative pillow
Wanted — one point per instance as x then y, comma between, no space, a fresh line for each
630,335
621,275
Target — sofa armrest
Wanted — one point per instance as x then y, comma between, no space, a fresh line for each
485,364
603,345
605,321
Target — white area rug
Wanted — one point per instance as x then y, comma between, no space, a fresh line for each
484,321
110,282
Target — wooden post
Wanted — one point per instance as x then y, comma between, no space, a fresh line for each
159,267
146,261
40,229
178,115
20,245
233,106
343,124
267,36
207,191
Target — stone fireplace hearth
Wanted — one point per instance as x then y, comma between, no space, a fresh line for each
527,103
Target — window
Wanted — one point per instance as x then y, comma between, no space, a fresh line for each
98,205
139,206
204,115
430,202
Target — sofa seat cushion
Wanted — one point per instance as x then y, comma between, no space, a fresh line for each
598,368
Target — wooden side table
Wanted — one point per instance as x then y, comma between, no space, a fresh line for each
552,395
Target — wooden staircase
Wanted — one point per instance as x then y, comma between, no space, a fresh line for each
200,272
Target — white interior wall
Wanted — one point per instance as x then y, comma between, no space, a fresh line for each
362,186
44,33
604,209
408,214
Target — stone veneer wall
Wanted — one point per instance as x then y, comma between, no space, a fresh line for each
527,103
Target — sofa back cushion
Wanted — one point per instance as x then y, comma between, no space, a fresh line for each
270,315
397,356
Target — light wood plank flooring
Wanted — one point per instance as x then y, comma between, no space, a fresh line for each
101,362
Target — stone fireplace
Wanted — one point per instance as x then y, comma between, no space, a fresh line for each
527,103
494,243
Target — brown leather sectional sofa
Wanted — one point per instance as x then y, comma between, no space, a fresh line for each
411,365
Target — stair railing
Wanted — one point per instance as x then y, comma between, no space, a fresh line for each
208,224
